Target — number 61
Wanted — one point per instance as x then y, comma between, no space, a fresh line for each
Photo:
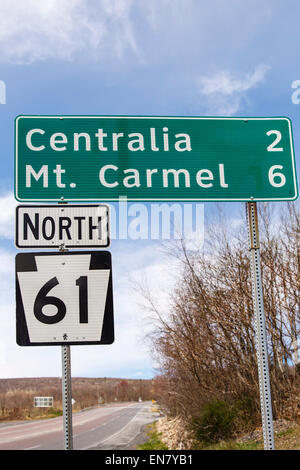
43,299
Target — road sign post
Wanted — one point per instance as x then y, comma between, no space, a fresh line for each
67,397
66,383
260,328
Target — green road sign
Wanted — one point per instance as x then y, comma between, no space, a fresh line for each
147,158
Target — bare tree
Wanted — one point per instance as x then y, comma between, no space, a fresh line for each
206,344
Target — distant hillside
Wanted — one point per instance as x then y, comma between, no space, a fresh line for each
17,395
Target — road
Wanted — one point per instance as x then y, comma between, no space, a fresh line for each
113,426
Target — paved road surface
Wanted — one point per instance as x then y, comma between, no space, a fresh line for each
113,426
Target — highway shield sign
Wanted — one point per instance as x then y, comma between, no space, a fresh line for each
64,298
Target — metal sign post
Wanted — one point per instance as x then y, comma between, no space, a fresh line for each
66,384
260,327
67,396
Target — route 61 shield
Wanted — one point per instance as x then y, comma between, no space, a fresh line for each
64,298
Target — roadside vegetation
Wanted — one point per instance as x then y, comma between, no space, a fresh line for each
153,441
205,343
289,439
17,395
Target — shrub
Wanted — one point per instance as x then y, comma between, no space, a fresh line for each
247,413
215,421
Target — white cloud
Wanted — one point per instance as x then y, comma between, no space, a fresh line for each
160,279
224,82
32,30
130,31
127,353
7,215
225,92
7,268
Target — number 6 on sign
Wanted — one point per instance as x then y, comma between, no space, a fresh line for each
281,180
64,298
42,300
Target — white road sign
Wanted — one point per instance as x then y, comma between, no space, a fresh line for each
43,402
64,298
50,226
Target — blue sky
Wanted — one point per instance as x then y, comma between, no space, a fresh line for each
134,57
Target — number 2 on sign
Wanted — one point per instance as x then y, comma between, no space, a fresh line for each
42,299
271,147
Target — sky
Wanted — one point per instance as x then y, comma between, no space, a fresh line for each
134,57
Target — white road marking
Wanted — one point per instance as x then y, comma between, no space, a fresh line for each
119,432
